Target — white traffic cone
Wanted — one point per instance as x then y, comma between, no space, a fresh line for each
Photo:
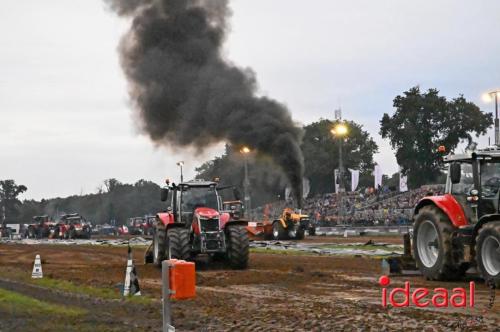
131,286
37,268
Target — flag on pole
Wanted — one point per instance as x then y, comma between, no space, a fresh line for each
354,179
336,176
403,182
377,173
306,187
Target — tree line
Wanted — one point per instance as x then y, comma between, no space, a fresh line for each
114,201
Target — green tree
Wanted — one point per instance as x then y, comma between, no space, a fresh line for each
9,193
321,153
111,184
421,123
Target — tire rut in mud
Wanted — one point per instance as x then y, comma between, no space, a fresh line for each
100,312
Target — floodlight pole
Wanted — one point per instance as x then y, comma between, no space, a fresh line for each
246,187
341,179
338,117
497,126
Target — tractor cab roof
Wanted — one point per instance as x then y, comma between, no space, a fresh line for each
70,215
198,183
486,153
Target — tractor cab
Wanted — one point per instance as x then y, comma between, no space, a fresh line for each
183,199
474,181
461,229
41,220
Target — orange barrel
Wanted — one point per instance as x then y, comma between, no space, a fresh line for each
182,279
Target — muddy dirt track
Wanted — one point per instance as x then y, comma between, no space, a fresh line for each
277,293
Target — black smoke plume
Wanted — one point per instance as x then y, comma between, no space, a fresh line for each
187,94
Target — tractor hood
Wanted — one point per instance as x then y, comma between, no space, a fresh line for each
208,213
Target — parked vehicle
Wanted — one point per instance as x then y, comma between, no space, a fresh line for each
73,226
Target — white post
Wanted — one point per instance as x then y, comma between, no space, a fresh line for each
167,321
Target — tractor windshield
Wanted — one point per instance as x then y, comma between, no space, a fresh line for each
490,179
195,197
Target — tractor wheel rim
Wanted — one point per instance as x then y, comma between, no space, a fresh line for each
490,255
428,244
275,231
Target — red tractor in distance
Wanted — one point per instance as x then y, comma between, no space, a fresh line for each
195,223
141,225
461,228
72,226
41,227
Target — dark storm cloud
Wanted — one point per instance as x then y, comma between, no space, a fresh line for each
187,94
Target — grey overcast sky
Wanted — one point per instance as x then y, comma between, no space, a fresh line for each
65,124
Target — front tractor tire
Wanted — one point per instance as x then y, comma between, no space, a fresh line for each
488,252
300,234
435,254
179,245
31,233
159,246
237,247
279,232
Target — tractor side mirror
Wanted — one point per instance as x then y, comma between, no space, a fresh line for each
164,194
455,172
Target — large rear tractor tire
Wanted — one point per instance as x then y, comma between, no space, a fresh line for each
488,252
159,246
279,233
178,243
31,232
435,254
237,247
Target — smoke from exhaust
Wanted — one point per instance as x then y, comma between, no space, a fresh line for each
186,94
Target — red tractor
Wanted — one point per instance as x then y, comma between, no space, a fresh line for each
123,230
195,223
41,227
461,229
72,226
141,225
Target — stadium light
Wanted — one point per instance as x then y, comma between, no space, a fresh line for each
487,98
245,150
340,130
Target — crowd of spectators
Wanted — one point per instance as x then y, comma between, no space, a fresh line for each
367,207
